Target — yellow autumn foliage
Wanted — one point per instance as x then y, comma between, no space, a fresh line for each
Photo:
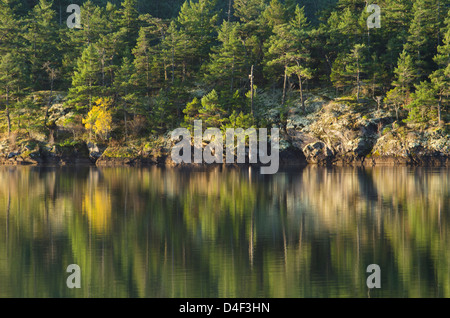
97,206
99,119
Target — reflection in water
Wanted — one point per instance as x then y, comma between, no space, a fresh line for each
224,232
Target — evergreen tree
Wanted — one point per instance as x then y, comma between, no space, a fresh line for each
405,74
396,19
422,103
191,113
253,29
86,81
173,49
197,22
357,66
124,87
211,113
110,50
275,13
129,21
441,77
425,34
145,64
287,48
75,41
42,37
228,64
11,80
10,29
395,97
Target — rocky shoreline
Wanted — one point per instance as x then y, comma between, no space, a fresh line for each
334,132
316,154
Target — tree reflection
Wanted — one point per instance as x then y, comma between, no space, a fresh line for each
224,232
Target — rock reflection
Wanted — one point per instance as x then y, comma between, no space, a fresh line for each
218,232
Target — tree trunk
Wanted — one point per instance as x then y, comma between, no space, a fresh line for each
439,109
49,103
8,119
284,85
173,62
125,120
301,93
359,87
251,90
232,77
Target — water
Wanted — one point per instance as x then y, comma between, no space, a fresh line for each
156,232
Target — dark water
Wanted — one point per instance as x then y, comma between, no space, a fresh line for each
224,233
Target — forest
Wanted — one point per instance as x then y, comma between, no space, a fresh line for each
135,69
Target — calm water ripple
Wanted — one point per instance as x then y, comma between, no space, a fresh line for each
155,232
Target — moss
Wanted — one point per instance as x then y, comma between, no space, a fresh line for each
386,130
26,154
373,154
119,153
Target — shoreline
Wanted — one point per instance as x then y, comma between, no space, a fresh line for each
289,160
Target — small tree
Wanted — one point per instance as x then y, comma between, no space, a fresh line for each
211,112
421,106
356,66
11,78
394,98
405,75
99,119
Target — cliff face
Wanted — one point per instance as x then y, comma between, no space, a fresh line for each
339,132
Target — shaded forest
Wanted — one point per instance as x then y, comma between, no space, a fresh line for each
140,68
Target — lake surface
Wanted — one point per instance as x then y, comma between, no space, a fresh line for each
154,232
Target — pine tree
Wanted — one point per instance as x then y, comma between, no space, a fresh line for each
86,81
253,30
405,75
287,48
338,74
228,64
248,11
357,66
394,97
11,80
110,50
124,87
129,21
10,29
197,22
422,103
441,77
174,46
425,34
42,37
144,64
275,13
211,113
75,41
396,19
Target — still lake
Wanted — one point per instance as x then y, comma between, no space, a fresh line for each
160,232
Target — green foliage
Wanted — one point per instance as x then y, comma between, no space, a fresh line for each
422,106
228,66
99,118
86,81
211,112
151,61
240,120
